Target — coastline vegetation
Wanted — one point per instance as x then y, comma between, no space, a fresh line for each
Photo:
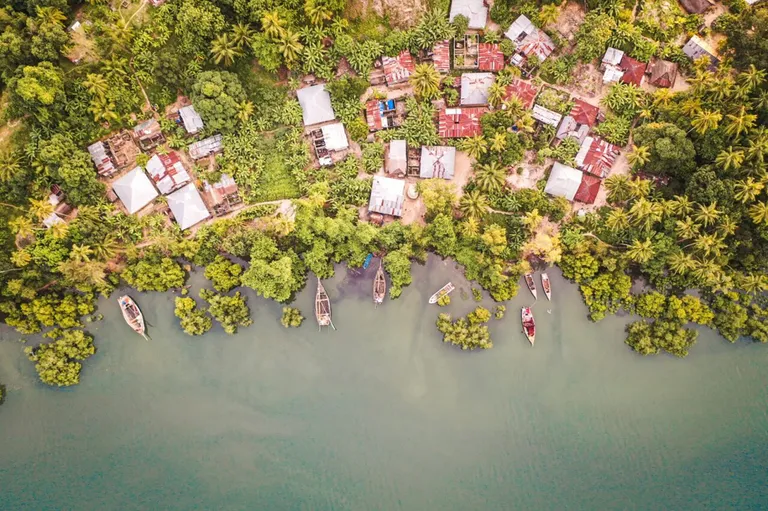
291,317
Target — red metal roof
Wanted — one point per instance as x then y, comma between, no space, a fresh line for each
588,189
584,113
459,122
633,70
599,158
490,57
522,90
442,56
398,69
373,115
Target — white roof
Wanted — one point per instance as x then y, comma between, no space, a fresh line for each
397,159
520,28
612,74
546,116
187,206
475,11
475,87
191,119
387,196
583,150
335,137
135,190
437,161
205,147
167,179
315,105
563,181
612,56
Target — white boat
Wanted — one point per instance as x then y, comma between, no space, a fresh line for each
132,315
547,285
529,325
442,292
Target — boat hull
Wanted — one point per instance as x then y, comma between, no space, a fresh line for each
531,285
446,289
546,284
529,324
132,315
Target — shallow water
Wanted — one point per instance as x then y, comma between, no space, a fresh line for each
380,414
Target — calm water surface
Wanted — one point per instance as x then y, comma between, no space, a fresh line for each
381,415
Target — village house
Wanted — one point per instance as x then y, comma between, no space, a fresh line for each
466,51
222,195
529,41
696,47
523,91
617,66
441,56
489,57
329,139
134,190
206,147
475,11
60,208
596,156
191,120
696,6
546,116
383,114
633,70
187,207
315,105
168,172
574,185
579,121
148,134
459,122
662,73
387,196
396,161
475,88
437,162
101,158
398,69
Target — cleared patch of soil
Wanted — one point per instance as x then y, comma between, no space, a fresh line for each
570,19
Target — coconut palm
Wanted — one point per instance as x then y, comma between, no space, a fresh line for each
10,165
474,146
617,220
681,205
21,226
739,123
103,110
317,12
639,156
759,213
80,253
706,270
473,204
513,106
757,148
496,93
96,85
272,25
499,142
730,158
88,273
50,15
425,81
242,35
706,120
679,262
709,244
532,219
747,191
645,213
491,177
105,249
59,230
115,67
727,226
548,14
707,215
40,209
469,227
21,258
753,283
686,228
290,47
618,187
245,110
640,251
753,78
639,188
225,49
690,106
662,97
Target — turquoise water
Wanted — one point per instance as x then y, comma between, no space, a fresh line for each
381,415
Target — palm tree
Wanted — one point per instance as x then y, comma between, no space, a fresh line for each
740,123
425,81
532,219
709,244
727,226
475,146
687,228
681,205
10,165
473,204
469,228
245,110
103,110
640,251
290,47
80,253
639,156
706,120
496,93
317,12
225,49
617,220
618,187
747,191
645,213
758,148
639,188
491,177
59,230
548,14
115,67
272,25
690,106
679,262
40,209
499,142
50,15
242,35
753,283
21,258
513,106
89,273
105,249
759,213
21,226
662,97
753,78
707,215
96,85
730,158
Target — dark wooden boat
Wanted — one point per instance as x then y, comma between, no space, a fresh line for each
529,325
441,292
379,286
547,285
132,315
531,285
322,307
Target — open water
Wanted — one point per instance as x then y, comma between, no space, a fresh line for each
381,415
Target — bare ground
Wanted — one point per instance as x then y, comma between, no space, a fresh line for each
571,17
530,174
462,172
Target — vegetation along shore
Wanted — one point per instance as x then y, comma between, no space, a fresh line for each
621,142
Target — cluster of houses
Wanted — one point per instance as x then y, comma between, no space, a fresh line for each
166,173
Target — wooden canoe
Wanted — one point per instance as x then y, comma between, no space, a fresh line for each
529,325
132,315
441,292
379,286
322,307
531,285
547,285
367,262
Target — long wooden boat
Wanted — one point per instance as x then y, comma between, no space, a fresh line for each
531,285
132,315
442,292
379,286
322,307
547,285
529,325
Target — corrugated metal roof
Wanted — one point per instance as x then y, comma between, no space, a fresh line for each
442,56
588,189
563,181
397,158
398,69
167,171
612,56
475,11
519,29
475,87
335,137
522,90
187,206
315,105
460,122
387,196
490,57
546,116
634,70
100,158
596,156
206,147
148,128
584,113
437,162
193,123
537,43
222,188
135,190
